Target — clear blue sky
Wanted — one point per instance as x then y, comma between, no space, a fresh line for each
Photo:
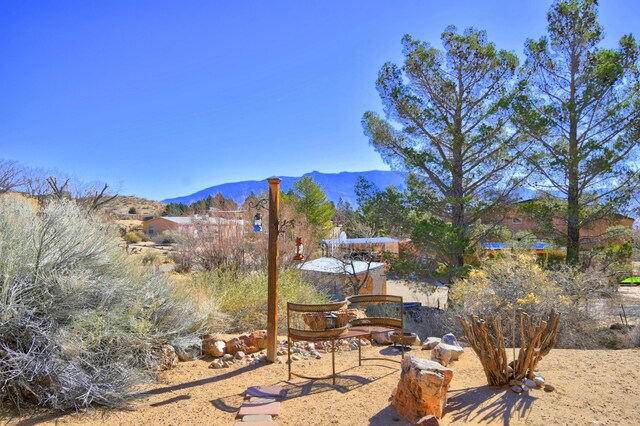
164,98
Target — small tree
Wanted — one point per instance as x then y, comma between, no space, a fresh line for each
133,210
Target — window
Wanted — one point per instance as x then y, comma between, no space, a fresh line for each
516,221
151,230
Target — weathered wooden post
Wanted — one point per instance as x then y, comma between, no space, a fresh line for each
272,298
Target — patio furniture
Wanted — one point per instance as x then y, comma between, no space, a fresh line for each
383,314
316,323
333,321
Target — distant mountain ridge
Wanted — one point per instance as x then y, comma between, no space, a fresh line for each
335,185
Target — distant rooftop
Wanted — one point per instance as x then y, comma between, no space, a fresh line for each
330,265
372,240
505,246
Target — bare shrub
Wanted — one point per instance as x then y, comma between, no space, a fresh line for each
78,320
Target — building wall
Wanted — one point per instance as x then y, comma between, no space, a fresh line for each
159,225
590,236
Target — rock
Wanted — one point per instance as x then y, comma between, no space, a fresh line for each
382,338
539,381
529,383
405,339
431,343
515,382
549,387
427,421
239,355
295,358
260,339
449,339
164,358
444,353
218,363
213,346
422,389
227,357
188,348
246,343
517,389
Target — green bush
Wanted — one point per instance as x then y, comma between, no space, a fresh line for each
79,321
243,296
133,210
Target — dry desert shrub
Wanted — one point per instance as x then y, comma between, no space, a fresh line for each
78,320
514,282
242,296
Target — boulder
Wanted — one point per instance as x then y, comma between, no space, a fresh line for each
422,390
431,343
444,353
449,339
260,338
405,339
213,346
427,421
382,338
188,348
164,358
246,343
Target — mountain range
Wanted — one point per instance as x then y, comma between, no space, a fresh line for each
335,185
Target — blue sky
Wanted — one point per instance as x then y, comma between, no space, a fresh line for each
164,98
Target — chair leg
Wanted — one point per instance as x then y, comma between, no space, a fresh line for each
289,356
333,360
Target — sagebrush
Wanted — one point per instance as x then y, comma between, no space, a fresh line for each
78,321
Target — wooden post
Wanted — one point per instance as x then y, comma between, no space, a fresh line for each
272,298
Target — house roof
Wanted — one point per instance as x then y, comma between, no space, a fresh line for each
373,240
186,220
330,265
505,246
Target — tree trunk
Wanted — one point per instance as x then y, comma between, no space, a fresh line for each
573,199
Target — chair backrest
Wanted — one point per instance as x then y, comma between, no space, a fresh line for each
309,322
380,310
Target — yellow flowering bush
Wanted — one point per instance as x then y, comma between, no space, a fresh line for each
504,283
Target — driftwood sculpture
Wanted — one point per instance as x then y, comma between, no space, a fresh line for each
535,343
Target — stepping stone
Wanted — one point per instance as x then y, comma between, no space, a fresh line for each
256,423
269,408
256,399
259,419
265,392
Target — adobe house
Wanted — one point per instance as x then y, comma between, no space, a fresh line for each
195,225
335,275
591,235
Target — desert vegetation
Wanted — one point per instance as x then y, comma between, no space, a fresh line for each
79,321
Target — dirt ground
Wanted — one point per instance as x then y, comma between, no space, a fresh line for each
593,387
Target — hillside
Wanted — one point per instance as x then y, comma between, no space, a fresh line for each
119,207
336,186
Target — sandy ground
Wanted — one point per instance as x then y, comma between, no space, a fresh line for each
593,387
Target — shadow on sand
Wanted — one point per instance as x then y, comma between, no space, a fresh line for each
344,383
487,404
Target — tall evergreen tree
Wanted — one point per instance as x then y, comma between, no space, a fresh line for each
584,113
448,117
